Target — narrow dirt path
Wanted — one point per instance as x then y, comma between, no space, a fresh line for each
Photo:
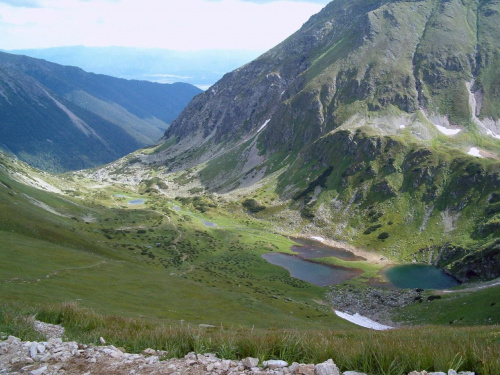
486,285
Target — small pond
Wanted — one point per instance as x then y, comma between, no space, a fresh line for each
137,201
310,249
209,224
410,276
314,273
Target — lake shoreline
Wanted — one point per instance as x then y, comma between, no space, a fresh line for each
370,256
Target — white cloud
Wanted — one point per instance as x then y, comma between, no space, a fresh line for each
173,24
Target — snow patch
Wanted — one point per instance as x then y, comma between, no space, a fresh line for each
362,321
263,126
402,126
447,131
318,238
474,151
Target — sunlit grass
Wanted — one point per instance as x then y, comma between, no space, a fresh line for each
396,352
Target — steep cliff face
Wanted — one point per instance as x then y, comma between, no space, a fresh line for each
368,121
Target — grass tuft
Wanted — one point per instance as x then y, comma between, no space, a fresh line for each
397,352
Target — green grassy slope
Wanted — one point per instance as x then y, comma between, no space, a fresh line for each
147,260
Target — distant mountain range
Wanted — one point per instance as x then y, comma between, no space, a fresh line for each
61,118
199,68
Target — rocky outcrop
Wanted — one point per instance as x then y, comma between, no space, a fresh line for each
58,357
374,303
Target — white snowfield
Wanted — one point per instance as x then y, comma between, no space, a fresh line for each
447,131
363,321
474,151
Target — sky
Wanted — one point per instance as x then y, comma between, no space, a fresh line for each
186,25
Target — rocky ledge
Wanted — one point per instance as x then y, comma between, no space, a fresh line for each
58,357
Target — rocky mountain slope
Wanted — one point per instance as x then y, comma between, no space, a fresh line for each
377,121
61,118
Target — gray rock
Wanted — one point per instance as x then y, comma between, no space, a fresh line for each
13,340
210,367
466,373
103,342
33,349
28,361
274,364
437,373
149,351
293,367
191,356
250,362
355,373
39,371
225,365
326,368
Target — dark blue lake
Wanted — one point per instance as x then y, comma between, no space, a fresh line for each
137,201
410,276
314,273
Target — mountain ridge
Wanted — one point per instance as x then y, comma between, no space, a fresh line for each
116,116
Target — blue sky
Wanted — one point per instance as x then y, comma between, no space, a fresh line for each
172,24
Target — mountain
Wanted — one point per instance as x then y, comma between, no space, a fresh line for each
200,68
377,122
62,118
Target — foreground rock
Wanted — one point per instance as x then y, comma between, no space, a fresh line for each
57,357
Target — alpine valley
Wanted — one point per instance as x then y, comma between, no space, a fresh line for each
61,118
370,137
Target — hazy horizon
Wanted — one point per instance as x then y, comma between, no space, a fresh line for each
182,25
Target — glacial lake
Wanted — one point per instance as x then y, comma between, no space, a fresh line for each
314,273
411,276
137,201
310,249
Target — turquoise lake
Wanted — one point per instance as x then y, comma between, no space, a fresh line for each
411,276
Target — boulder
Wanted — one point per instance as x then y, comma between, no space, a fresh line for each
326,368
250,362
